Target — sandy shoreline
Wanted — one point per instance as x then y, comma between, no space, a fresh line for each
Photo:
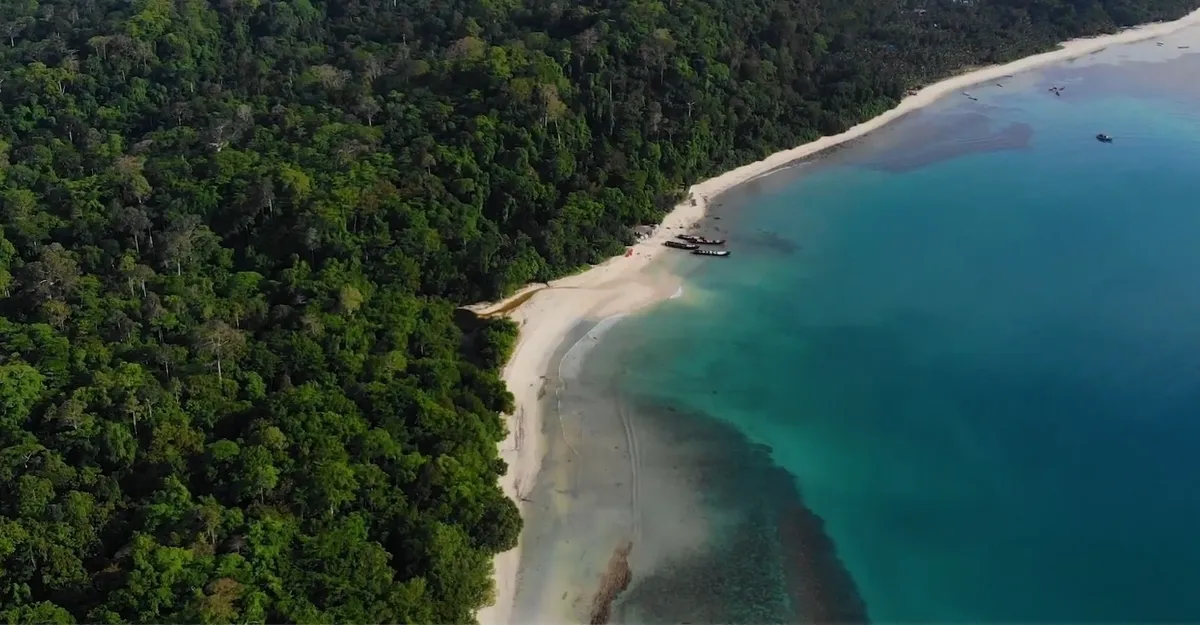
625,284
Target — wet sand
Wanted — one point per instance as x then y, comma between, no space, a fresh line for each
603,493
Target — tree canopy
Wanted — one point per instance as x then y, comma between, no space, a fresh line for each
234,386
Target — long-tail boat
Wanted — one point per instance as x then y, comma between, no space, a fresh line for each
692,238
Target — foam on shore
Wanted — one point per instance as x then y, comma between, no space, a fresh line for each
573,359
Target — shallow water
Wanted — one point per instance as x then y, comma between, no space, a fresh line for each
950,373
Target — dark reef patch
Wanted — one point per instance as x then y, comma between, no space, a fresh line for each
949,137
770,241
769,560
818,583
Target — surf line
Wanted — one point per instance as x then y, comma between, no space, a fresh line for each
576,354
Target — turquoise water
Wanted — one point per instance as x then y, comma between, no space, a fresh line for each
971,345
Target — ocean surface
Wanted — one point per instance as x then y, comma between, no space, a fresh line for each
950,373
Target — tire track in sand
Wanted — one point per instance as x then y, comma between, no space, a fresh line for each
635,459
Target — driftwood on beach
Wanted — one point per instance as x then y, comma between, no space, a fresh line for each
615,580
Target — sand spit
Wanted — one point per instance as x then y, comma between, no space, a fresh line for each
548,312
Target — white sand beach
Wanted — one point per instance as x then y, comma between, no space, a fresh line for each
547,314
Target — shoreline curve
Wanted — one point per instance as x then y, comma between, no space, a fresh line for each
546,313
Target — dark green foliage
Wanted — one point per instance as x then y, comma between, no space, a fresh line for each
495,342
233,387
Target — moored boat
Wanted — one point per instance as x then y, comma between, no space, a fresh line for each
702,252
692,238
681,246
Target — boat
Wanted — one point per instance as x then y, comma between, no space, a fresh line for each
700,252
681,246
1103,138
691,238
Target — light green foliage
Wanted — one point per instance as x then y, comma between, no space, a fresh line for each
20,389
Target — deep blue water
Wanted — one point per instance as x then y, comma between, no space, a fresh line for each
971,343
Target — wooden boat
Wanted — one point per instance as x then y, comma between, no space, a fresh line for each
700,252
691,238
681,246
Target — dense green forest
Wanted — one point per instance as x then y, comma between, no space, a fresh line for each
234,386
